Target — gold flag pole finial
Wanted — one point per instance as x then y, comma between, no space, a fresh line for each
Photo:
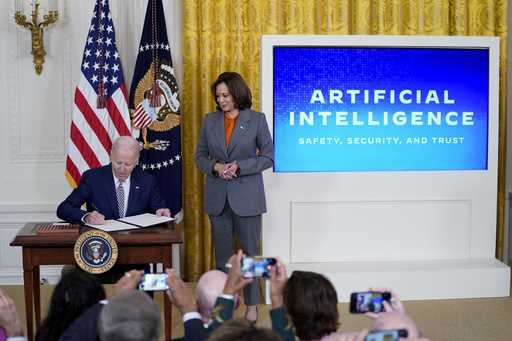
36,29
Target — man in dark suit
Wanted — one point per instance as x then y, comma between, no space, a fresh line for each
120,189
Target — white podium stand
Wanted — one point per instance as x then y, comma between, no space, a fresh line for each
426,234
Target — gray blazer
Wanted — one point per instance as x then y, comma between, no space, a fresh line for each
245,193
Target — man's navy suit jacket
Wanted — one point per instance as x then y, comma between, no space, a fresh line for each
97,191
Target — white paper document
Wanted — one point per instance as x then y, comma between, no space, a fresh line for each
145,220
131,223
113,225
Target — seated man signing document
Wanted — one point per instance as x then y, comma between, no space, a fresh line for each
119,189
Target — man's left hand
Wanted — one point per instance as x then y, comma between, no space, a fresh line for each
165,212
129,281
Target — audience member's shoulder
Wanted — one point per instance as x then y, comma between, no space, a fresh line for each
85,327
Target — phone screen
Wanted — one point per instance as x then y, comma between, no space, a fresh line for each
386,335
257,266
370,301
153,282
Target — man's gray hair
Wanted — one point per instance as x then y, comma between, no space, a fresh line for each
126,142
131,316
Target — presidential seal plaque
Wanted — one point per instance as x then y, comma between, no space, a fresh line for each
95,251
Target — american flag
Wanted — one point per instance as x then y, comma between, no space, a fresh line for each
100,111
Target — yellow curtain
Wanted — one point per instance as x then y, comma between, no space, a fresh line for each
222,35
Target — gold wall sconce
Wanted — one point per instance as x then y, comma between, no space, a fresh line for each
36,29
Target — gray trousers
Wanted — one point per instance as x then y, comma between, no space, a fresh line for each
225,228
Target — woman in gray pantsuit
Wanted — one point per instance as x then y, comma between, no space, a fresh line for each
234,147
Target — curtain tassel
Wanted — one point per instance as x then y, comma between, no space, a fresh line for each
102,99
154,98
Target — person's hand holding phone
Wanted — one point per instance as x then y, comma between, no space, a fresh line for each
394,304
129,281
180,294
277,281
369,301
235,281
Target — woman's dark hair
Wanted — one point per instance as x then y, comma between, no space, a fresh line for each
76,291
237,88
312,303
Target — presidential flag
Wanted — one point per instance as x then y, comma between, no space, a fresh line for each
100,110
156,108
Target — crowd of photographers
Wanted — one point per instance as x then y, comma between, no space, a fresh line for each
304,307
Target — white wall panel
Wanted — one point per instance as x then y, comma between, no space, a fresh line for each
10,257
380,230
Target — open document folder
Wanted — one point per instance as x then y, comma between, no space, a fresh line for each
130,223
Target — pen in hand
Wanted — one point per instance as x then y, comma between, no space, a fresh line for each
94,217
94,208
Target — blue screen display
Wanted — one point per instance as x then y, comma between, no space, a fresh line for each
359,109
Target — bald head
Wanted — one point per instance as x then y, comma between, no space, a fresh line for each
397,320
209,287
124,156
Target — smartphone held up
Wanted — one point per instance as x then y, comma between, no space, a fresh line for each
258,266
154,282
386,335
368,302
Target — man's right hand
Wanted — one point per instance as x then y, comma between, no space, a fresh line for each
180,294
394,304
95,218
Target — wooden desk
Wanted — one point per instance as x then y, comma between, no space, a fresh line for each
149,245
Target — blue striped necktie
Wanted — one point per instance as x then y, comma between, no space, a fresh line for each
120,199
